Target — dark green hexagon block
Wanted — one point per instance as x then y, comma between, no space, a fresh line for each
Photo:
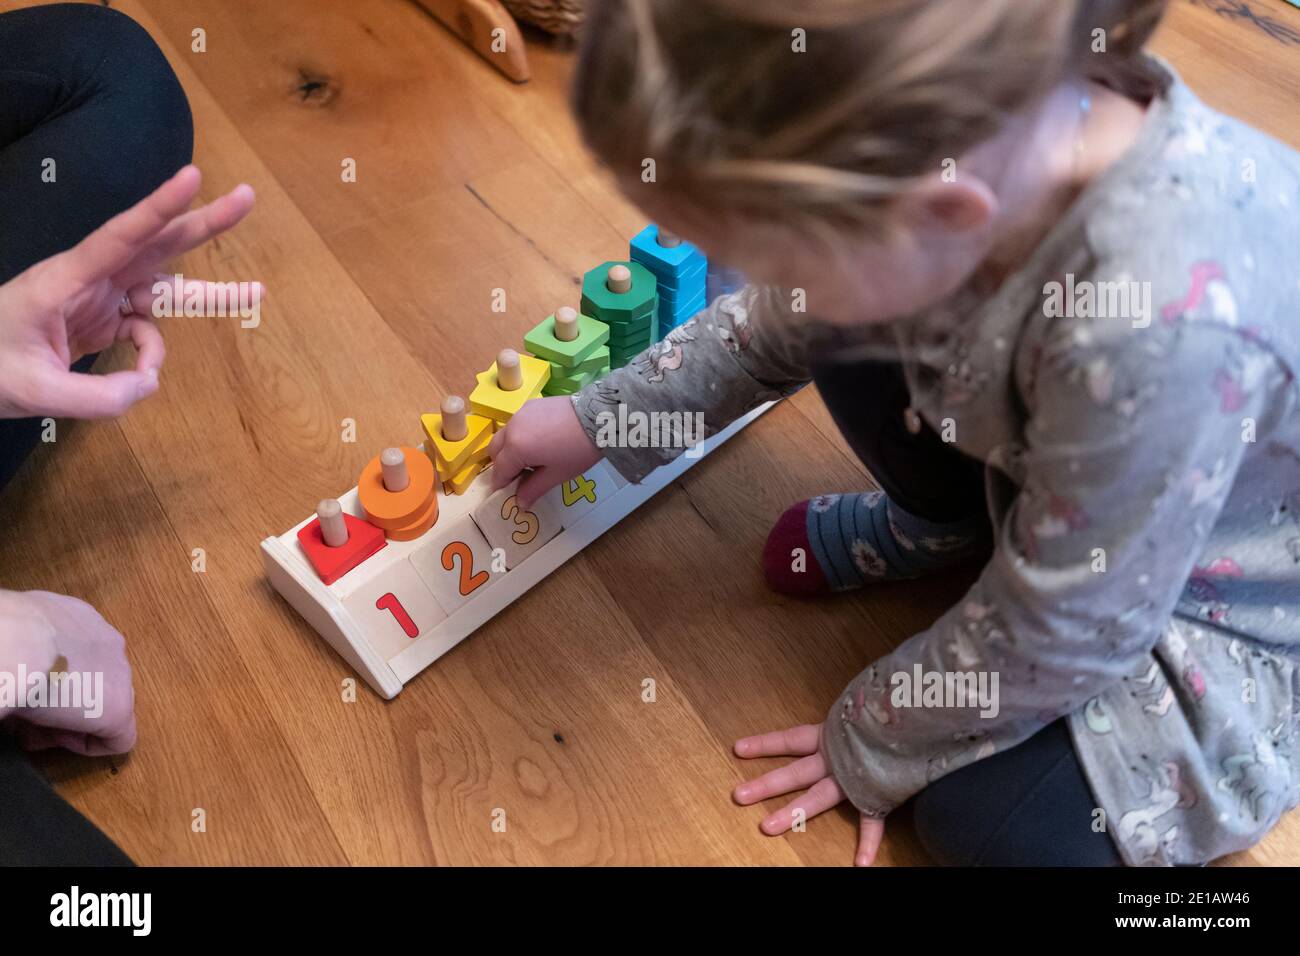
614,307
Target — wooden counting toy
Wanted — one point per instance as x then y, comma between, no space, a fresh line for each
392,577
512,380
457,441
372,631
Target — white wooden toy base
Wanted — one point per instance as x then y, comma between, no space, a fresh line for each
368,615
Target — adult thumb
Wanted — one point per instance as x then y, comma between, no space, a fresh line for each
77,395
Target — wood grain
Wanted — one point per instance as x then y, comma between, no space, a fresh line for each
381,303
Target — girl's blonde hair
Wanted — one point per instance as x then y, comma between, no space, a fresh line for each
738,119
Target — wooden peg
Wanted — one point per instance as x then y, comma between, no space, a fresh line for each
669,240
393,464
455,426
619,279
332,526
566,324
510,375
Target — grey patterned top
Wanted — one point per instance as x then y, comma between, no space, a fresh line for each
1143,459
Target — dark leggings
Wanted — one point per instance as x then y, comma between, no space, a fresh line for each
1027,806
86,89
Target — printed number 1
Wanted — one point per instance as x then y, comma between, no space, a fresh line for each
577,489
389,602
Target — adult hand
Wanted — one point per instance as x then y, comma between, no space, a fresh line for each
97,293
46,633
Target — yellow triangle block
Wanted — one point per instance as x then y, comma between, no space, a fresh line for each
465,478
493,402
452,456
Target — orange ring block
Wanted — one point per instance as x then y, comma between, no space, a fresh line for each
397,509
417,527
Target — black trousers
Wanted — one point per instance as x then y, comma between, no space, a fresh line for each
1027,806
92,120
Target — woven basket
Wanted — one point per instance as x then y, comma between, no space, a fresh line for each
560,17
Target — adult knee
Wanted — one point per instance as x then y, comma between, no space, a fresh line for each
135,91
944,825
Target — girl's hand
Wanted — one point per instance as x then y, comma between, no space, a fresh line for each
97,293
808,772
49,632
546,436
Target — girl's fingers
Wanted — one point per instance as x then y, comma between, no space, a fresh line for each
794,742
506,461
795,776
823,795
870,832
114,245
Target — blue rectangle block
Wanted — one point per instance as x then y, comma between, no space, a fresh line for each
670,318
698,272
667,264
676,296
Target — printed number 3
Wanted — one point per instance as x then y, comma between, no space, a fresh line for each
526,522
577,489
469,581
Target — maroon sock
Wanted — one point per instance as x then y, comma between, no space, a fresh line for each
788,561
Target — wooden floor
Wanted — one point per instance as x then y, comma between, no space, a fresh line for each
381,293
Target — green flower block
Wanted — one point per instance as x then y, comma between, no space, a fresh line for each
541,341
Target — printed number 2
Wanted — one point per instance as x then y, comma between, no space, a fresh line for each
389,602
577,489
526,522
469,581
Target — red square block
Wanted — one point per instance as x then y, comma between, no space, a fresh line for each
364,539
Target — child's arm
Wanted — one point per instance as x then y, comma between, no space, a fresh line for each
1131,449
745,349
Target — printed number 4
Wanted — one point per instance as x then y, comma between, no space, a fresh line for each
578,489
469,581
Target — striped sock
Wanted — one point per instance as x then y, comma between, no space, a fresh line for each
858,538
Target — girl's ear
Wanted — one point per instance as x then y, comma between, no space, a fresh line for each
963,206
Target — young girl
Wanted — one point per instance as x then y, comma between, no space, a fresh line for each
1053,302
